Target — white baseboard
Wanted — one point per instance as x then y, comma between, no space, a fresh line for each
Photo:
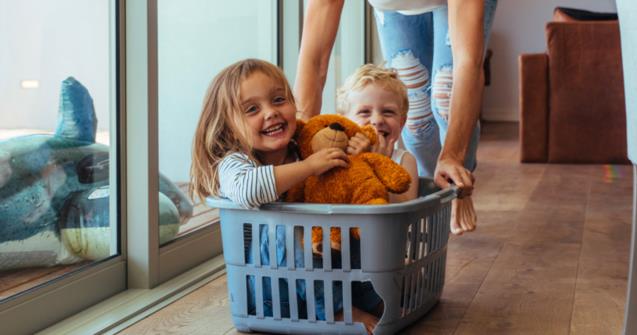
500,114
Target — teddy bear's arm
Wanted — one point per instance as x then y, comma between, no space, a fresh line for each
296,193
391,174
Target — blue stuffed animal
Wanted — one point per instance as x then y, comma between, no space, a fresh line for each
54,192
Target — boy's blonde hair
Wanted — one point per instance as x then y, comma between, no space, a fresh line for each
222,127
369,74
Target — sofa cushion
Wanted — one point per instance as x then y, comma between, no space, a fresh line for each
565,14
587,122
533,107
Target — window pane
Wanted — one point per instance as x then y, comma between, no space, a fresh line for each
196,39
57,139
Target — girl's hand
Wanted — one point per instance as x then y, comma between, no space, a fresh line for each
326,159
384,147
358,143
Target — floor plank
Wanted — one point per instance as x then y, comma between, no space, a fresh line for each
601,281
204,311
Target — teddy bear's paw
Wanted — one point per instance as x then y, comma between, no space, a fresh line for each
377,201
356,233
317,248
335,245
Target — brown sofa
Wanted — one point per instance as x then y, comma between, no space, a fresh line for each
572,96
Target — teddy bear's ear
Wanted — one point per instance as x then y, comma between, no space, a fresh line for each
370,132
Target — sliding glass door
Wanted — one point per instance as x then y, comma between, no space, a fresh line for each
59,156
98,105
196,39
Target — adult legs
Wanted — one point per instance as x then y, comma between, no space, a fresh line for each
442,65
414,45
463,217
407,45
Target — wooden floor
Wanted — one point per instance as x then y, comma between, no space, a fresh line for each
550,255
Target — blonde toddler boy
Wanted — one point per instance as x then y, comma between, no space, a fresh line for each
374,95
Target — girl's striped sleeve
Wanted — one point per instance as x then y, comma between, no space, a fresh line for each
244,182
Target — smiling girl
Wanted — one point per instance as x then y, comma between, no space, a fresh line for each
243,148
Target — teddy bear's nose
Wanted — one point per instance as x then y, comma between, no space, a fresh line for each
337,126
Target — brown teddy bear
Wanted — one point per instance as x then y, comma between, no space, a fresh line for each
366,180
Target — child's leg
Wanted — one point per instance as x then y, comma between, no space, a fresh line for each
264,254
367,319
367,305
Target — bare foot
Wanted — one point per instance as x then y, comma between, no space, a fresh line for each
369,320
463,216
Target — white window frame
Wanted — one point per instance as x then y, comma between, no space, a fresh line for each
149,264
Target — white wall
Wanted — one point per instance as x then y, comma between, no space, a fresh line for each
49,41
519,28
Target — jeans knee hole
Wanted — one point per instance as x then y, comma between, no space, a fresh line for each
441,91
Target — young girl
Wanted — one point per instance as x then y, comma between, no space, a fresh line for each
374,95
243,150
242,146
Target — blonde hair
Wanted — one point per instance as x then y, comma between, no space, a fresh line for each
222,126
369,74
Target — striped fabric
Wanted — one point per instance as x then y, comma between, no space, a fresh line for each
246,183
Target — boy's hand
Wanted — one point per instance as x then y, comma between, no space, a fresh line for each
384,147
326,159
358,143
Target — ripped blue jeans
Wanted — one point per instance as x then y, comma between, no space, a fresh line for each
419,48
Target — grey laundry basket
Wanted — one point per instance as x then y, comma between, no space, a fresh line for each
403,251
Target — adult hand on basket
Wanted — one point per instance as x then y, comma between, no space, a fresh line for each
463,215
450,171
